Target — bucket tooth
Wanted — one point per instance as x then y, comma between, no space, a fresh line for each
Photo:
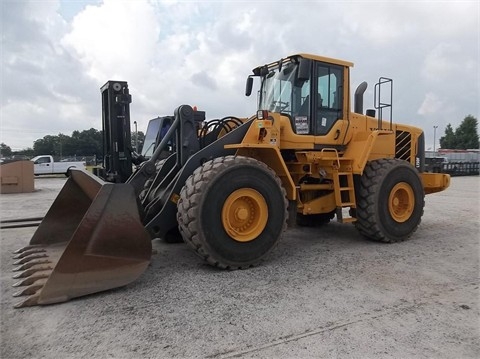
30,280
30,290
28,272
30,258
26,248
29,252
30,301
31,264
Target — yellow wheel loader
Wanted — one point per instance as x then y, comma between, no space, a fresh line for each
231,186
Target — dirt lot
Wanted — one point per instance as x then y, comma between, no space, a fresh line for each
323,293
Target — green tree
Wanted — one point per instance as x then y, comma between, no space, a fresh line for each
5,151
84,143
141,140
466,134
62,146
448,141
45,145
27,152
464,137
88,142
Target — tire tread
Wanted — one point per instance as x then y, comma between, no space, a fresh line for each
189,203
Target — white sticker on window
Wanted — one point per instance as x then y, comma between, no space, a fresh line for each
324,121
301,125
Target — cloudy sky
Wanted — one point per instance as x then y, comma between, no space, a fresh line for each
56,54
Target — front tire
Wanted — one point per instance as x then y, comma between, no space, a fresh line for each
390,200
232,211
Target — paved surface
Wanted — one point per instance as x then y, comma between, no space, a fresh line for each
323,293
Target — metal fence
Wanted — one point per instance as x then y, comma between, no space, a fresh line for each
461,168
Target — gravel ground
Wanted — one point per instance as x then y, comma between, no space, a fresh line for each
324,292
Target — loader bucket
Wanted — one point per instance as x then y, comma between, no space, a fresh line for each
90,240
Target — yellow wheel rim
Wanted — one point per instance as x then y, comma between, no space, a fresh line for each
401,202
244,214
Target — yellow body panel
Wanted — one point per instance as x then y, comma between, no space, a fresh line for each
267,137
324,204
435,182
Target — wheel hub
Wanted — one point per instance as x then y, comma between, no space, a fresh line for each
401,202
244,214
241,214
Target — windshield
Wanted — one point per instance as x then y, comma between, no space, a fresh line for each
151,137
282,92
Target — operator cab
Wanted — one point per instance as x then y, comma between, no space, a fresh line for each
156,131
309,90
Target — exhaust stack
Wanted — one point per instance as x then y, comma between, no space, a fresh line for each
358,106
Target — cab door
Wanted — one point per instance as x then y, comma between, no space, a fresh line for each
329,93
42,165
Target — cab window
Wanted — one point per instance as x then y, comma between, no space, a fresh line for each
328,108
42,160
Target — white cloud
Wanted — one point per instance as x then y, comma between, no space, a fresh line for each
115,38
431,105
39,76
443,61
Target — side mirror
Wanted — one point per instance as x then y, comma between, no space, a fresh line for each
249,86
304,67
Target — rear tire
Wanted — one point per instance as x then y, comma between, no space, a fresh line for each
390,200
232,211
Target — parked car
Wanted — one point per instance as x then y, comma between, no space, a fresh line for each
45,165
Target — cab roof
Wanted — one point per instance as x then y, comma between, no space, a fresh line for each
324,59
294,58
